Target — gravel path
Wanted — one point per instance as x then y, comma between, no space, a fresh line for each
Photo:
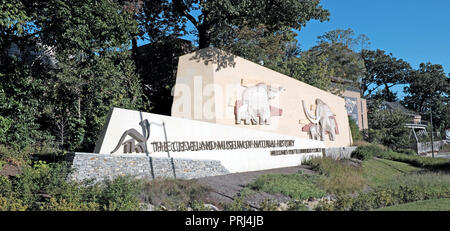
225,187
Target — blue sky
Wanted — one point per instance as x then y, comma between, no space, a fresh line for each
414,30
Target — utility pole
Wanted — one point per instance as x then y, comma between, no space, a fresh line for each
432,140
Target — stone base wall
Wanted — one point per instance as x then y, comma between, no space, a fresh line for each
101,167
340,152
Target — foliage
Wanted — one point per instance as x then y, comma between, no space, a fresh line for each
347,66
296,205
433,98
214,21
296,186
63,205
386,127
383,70
346,37
61,69
367,152
12,204
173,193
268,205
121,194
406,151
356,134
45,186
338,176
239,202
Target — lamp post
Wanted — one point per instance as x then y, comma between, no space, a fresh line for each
432,141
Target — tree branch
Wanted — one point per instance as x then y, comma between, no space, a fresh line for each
181,8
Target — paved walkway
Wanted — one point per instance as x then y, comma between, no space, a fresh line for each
226,187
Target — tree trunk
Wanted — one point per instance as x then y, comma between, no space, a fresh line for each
134,50
204,37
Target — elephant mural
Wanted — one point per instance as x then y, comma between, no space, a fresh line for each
324,121
255,103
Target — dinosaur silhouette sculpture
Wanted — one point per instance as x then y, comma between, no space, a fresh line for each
129,146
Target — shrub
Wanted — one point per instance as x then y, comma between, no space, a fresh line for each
268,205
367,152
295,205
63,205
5,124
121,194
407,151
173,192
14,156
6,188
12,204
356,134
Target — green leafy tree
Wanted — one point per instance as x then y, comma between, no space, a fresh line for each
428,91
213,21
387,127
70,63
383,70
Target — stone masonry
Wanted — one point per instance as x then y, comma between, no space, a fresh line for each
101,167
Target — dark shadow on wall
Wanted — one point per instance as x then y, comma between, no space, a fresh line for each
213,55
157,65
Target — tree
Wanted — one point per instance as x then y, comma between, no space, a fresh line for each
333,57
428,91
387,126
214,21
383,70
90,70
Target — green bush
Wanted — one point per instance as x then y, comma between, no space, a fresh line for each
356,134
45,186
12,204
367,152
407,151
5,124
173,193
121,194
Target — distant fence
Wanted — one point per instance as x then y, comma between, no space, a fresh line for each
425,147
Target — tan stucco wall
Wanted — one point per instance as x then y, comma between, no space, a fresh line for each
228,89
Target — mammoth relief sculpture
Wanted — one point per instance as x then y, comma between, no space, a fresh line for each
322,123
129,145
255,107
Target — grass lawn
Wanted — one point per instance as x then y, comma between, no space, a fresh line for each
296,186
377,172
442,204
